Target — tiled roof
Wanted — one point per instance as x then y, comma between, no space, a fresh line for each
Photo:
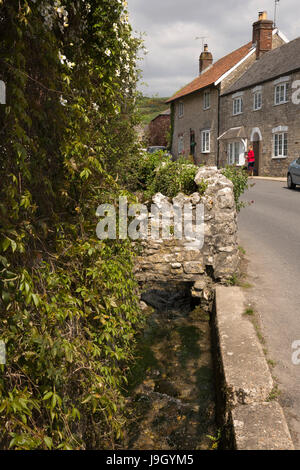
273,64
167,112
213,73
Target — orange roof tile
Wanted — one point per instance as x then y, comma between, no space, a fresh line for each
213,73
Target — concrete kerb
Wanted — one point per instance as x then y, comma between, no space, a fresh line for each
269,178
244,380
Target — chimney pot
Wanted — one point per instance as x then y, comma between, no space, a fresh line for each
263,15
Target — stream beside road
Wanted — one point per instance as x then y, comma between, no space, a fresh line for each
170,396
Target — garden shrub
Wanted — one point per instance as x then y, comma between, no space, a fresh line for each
239,178
140,170
174,177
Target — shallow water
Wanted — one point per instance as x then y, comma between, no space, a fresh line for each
171,402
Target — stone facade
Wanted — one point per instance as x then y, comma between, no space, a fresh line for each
260,126
182,260
196,119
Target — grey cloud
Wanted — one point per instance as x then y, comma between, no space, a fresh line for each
172,25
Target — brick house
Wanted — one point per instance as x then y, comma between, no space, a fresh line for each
195,109
159,128
262,108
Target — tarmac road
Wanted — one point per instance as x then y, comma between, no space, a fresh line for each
269,231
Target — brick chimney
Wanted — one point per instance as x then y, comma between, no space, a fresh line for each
262,34
205,60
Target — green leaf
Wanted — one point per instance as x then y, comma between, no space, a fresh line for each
47,395
48,441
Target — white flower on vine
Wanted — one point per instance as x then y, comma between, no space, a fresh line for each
63,102
61,57
65,61
107,52
69,64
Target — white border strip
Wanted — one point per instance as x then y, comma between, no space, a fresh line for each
235,66
280,34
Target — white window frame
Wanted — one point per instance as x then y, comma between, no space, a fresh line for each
280,144
206,100
236,153
237,105
205,141
281,93
257,100
180,144
180,109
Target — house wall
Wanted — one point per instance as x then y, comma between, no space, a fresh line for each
195,118
265,119
198,119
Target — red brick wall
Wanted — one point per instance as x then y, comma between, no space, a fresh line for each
158,130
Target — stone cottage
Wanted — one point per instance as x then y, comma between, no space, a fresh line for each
263,108
159,129
195,109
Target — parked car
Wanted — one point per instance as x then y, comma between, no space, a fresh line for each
159,148
156,148
293,176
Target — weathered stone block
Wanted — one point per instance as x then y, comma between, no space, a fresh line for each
193,267
261,426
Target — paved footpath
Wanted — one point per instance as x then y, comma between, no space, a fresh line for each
269,231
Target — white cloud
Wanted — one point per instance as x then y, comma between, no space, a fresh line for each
171,27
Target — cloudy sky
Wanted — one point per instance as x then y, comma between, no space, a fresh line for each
171,26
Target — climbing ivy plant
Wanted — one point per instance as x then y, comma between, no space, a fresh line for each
68,308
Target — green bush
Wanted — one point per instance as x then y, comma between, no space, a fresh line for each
172,178
239,178
140,170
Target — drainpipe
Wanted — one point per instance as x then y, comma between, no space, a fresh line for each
219,114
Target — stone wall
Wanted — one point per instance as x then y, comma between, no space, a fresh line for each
186,260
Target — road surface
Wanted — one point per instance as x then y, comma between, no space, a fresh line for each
269,231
